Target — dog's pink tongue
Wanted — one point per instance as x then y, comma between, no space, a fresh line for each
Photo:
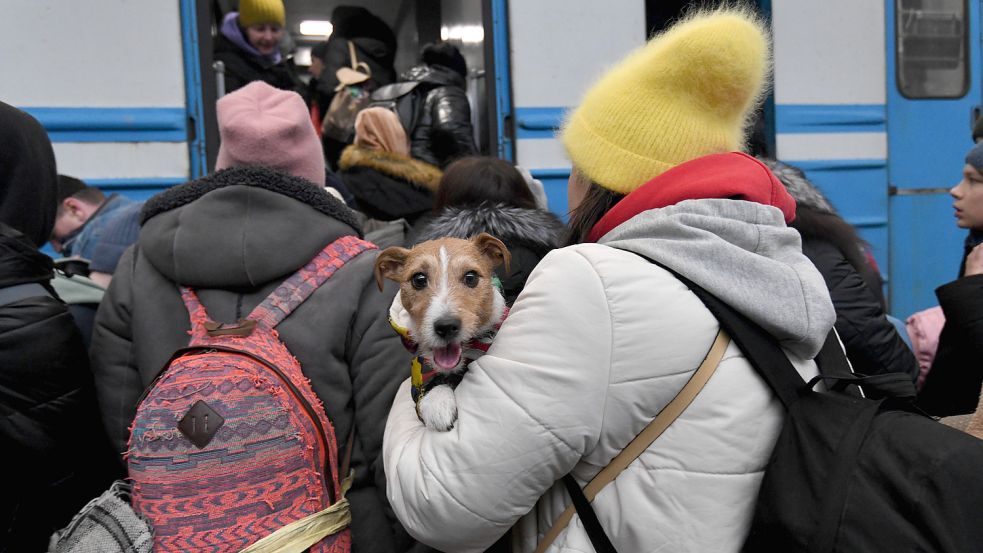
447,357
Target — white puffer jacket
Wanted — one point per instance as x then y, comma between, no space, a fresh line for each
599,341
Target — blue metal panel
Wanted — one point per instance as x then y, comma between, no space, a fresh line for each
555,183
503,79
192,85
147,124
538,122
927,141
136,189
928,138
924,226
857,188
821,118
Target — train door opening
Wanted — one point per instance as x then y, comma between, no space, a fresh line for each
415,23
933,98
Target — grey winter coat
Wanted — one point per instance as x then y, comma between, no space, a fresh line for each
234,236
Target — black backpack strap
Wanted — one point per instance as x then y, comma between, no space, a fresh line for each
598,538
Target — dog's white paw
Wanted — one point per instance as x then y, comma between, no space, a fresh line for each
438,408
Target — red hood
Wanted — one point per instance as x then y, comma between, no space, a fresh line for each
732,175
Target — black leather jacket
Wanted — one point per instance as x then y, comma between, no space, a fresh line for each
443,131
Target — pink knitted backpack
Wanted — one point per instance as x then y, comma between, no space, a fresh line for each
230,444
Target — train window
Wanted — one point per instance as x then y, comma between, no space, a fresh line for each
932,48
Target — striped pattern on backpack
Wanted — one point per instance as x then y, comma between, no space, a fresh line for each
230,442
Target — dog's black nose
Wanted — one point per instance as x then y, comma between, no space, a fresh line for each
447,327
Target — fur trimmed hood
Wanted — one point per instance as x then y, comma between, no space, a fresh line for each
297,188
240,228
535,227
422,174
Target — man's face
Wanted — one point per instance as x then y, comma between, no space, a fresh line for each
265,37
969,199
73,213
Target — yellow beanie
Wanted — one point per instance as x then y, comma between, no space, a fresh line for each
685,94
254,12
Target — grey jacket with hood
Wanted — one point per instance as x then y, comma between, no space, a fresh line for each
234,236
599,341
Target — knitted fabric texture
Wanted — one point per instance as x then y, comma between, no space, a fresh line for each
380,129
685,94
263,125
254,12
267,426
975,157
107,524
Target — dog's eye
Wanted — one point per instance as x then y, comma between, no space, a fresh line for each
471,279
419,281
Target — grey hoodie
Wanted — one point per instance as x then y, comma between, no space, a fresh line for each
742,253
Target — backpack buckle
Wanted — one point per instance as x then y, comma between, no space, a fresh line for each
243,327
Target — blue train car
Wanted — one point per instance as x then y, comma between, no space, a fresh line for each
874,99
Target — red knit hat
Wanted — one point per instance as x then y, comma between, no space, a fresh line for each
262,125
732,175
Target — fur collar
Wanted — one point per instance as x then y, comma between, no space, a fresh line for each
509,224
422,174
297,188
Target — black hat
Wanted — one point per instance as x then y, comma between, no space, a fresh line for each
445,54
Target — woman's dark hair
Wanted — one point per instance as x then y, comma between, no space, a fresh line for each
814,224
596,203
472,181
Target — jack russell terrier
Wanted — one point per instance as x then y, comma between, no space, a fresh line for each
447,312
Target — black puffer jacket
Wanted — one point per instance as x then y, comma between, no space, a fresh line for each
389,186
234,236
242,68
529,234
442,130
56,457
53,446
371,51
953,385
872,343
375,45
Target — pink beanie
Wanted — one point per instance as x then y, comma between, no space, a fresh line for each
262,125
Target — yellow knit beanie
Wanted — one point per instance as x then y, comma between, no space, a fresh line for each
685,94
254,12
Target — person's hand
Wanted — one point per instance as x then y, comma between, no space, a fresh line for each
974,262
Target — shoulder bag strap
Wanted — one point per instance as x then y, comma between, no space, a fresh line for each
352,56
289,295
631,452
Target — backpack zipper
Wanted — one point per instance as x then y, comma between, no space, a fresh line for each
322,436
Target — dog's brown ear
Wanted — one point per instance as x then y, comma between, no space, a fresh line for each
494,249
388,263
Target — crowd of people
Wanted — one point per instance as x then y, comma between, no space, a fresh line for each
601,334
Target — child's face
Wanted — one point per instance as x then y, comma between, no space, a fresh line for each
969,199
